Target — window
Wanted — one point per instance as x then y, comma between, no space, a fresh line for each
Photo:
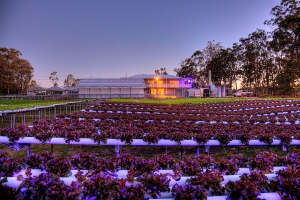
151,81
157,91
153,91
160,91
173,82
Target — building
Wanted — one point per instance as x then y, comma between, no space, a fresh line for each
137,86
111,88
164,85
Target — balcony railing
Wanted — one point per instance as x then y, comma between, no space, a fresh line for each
169,85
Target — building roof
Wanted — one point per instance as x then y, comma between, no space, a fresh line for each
153,76
55,88
111,82
71,88
36,88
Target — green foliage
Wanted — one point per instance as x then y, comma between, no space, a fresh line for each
287,29
54,78
196,66
267,63
223,67
70,81
286,78
161,71
16,73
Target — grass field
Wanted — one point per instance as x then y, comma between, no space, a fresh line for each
177,101
34,114
194,100
15,104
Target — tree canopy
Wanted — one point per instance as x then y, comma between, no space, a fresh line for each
33,83
70,81
196,66
161,71
16,73
265,62
54,78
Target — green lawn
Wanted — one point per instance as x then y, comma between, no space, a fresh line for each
192,100
177,100
15,104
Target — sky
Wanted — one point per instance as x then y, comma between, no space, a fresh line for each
118,38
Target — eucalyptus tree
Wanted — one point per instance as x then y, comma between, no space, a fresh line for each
196,65
23,76
54,78
237,52
16,73
285,80
286,33
161,71
286,43
209,52
255,58
33,83
270,73
223,67
188,68
70,81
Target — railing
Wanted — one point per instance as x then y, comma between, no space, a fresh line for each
155,85
41,97
40,112
110,96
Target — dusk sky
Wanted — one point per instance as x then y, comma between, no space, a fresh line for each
112,38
